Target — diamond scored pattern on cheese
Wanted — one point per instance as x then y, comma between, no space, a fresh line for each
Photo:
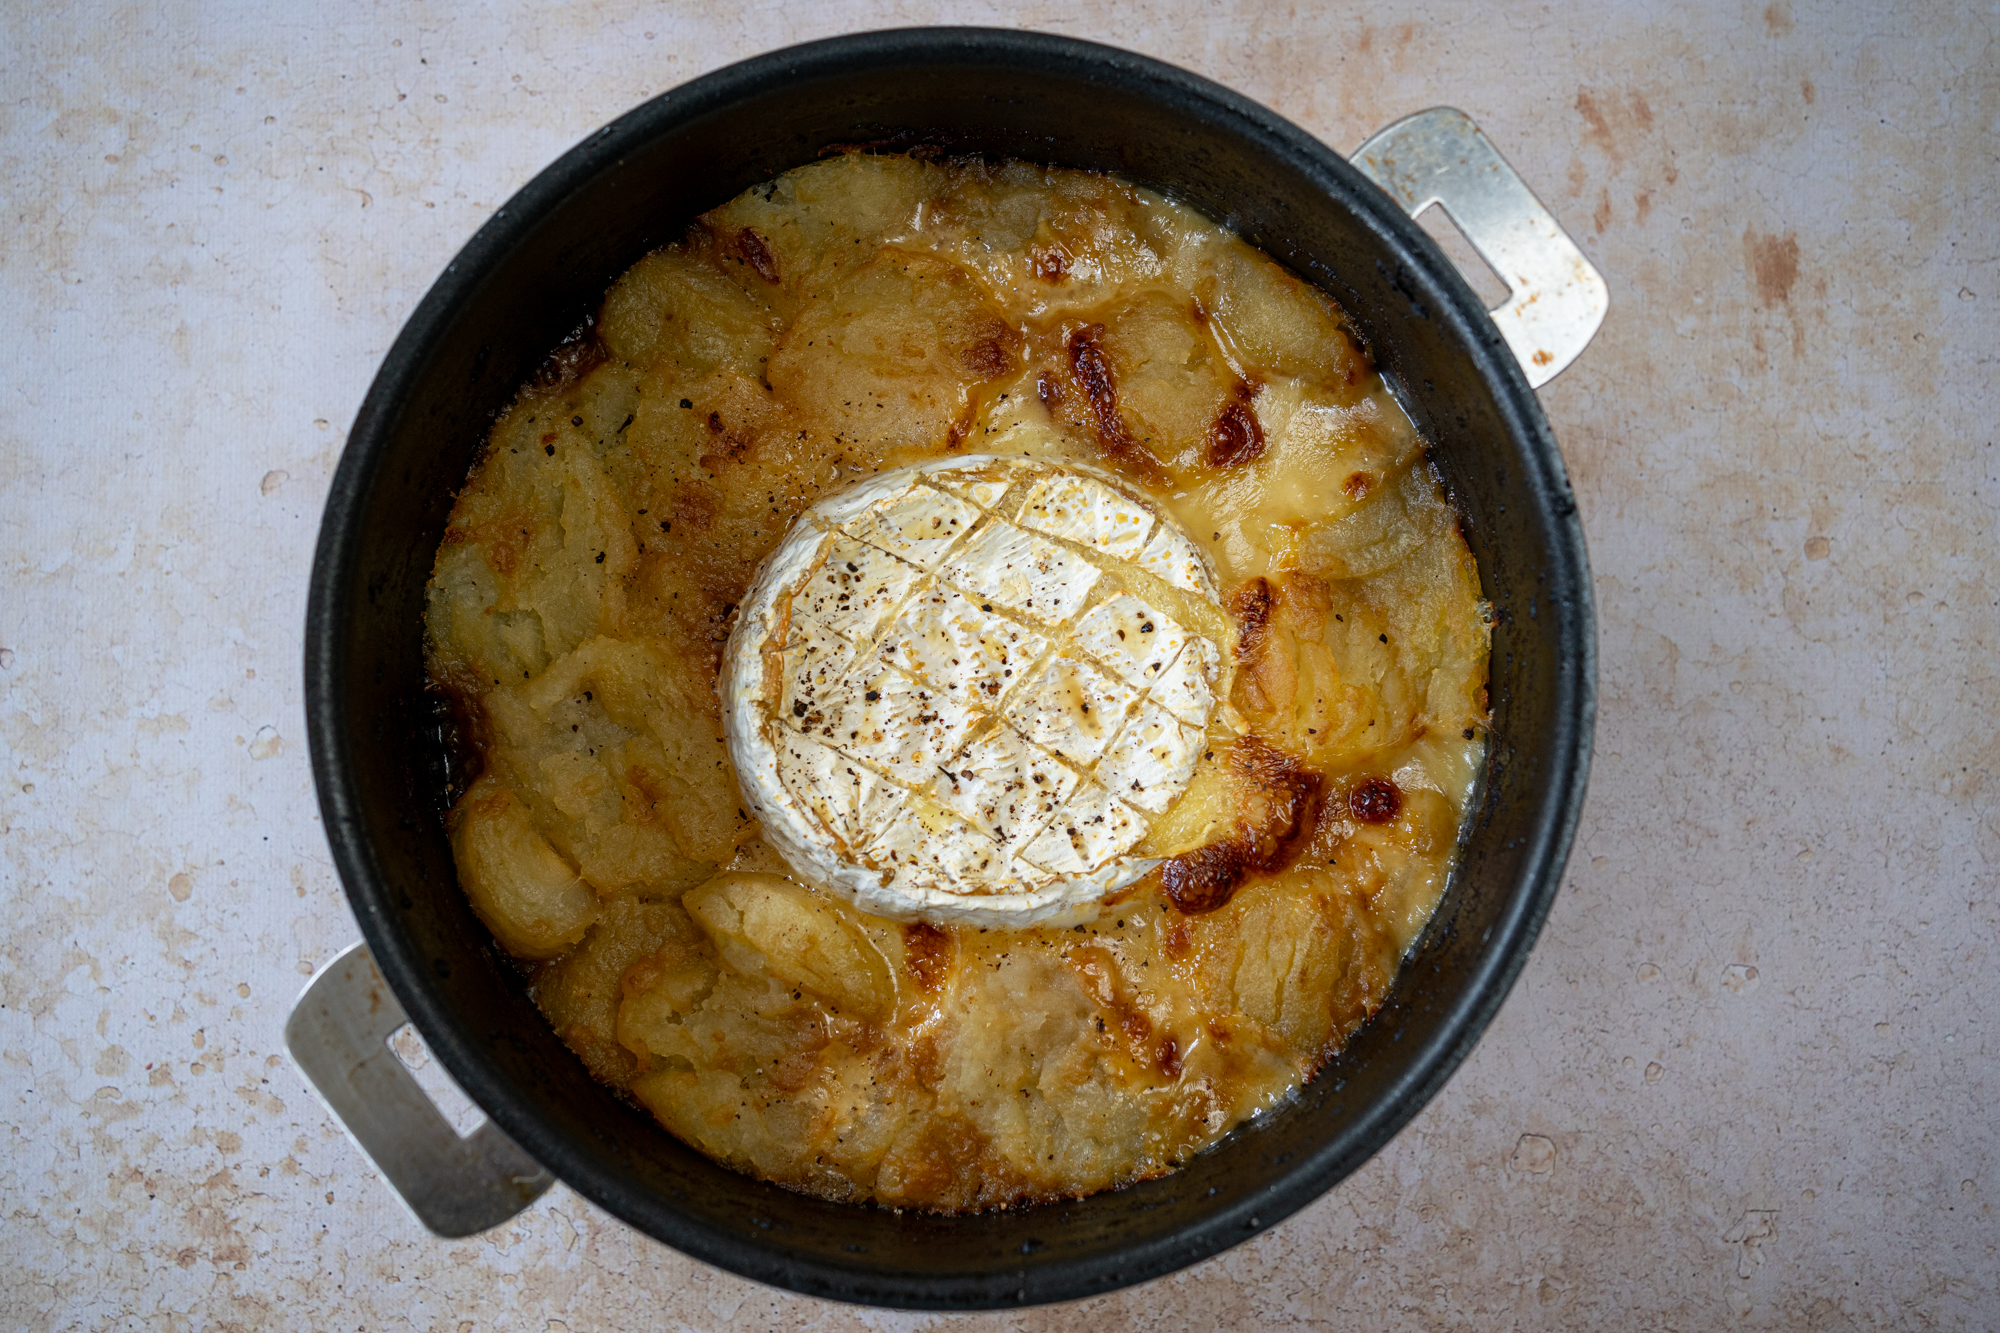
1170,556
854,589
919,526
973,656
935,849
1022,572
946,702
850,798
1006,786
985,492
1131,638
1093,826
1071,709
1089,514
1183,688
1154,757
904,726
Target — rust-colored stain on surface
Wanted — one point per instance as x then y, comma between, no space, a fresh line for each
1774,265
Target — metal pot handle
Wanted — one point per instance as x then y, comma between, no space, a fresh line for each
338,1035
1557,297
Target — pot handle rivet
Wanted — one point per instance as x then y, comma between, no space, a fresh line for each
338,1035
1556,297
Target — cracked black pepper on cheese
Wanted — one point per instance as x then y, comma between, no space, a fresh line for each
957,690
969,684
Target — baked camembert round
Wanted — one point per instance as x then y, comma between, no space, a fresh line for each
958,690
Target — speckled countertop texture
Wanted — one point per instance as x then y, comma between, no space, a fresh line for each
1748,1076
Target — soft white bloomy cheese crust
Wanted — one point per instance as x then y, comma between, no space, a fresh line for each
954,694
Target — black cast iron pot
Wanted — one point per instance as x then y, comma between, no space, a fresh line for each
541,266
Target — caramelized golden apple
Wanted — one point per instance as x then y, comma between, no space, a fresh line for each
867,313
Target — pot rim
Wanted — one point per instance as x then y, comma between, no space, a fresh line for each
1050,1277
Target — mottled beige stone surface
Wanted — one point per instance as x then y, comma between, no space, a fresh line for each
1748,1076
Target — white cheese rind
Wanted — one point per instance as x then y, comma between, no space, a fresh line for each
976,658
1071,709
919,526
926,701
1154,756
811,667
1170,556
1085,511
1136,641
1022,572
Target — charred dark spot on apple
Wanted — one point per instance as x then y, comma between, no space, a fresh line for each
987,358
1375,801
1265,843
757,254
1250,608
927,953
1236,437
1091,369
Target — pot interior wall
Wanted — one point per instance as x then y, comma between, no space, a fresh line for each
541,267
